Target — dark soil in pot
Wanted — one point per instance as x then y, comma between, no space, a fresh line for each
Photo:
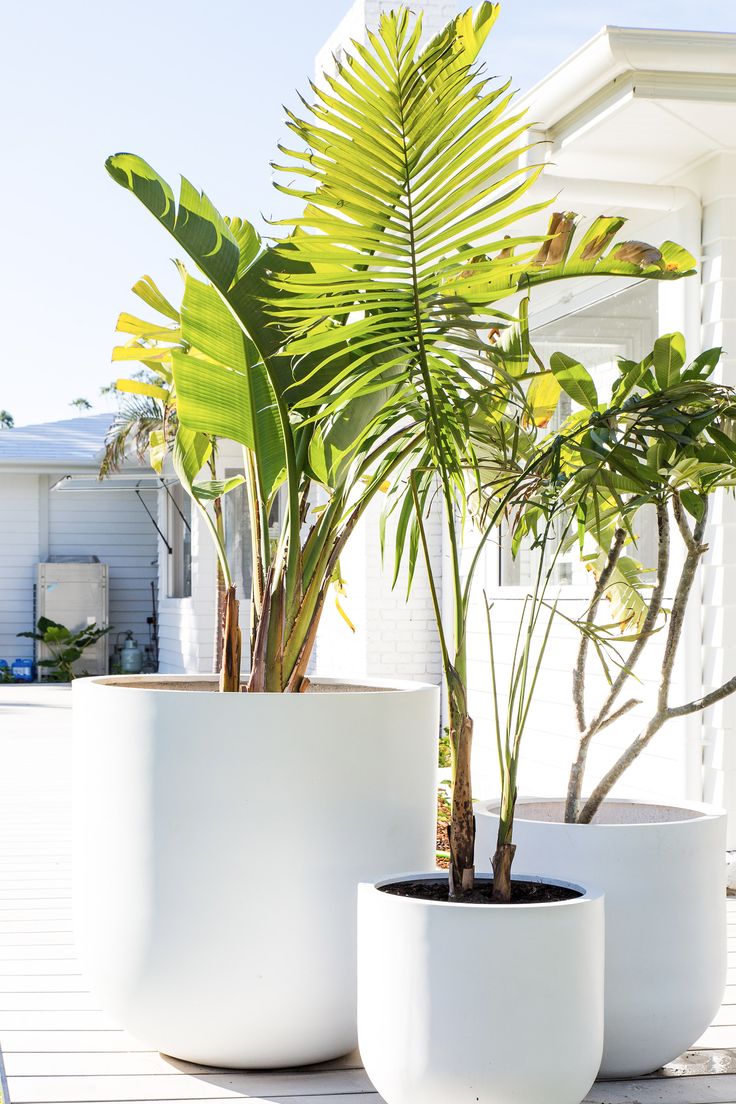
522,893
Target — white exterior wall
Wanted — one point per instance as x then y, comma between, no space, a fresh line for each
550,740
187,625
366,13
19,546
719,572
393,637
112,525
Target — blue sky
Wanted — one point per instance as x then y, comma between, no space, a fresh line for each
195,88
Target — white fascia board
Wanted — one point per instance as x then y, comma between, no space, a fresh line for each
52,467
616,51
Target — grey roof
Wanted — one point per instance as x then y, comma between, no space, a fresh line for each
74,441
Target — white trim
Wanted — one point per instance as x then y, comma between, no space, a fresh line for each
615,51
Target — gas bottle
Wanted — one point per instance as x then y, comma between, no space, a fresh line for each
131,656
22,670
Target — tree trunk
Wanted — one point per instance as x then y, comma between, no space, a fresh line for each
502,862
462,827
220,598
231,647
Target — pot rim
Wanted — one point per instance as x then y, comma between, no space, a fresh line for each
705,811
374,686
587,895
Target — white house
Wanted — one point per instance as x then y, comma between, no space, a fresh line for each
53,507
640,123
637,122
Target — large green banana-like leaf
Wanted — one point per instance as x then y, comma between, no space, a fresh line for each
227,251
222,386
409,159
221,250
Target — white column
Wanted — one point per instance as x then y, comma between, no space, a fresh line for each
719,570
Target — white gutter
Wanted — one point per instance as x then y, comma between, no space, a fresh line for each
618,50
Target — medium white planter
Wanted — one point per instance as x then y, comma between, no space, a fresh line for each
480,1004
663,872
220,839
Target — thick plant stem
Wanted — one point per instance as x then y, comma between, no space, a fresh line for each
462,829
220,593
502,862
231,650
604,716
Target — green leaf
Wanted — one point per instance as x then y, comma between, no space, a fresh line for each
147,290
140,387
158,449
216,488
669,358
222,386
574,380
693,503
195,224
190,453
542,399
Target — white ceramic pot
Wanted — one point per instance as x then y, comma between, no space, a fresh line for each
220,840
460,1004
663,872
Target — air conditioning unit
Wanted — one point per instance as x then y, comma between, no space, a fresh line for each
75,594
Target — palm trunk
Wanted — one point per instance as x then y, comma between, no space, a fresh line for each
505,848
462,827
231,647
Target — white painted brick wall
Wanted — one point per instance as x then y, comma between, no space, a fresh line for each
393,637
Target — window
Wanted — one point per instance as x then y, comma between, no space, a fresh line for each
179,529
622,325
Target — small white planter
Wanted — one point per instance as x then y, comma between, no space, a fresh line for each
663,872
220,840
460,1004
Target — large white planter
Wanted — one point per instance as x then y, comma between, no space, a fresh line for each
480,1004
220,839
663,872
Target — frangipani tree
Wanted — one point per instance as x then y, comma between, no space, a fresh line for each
687,452
411,241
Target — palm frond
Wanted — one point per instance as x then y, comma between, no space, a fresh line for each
137,417
410,168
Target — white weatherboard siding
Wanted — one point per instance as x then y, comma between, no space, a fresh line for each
719,574
112,525
20,527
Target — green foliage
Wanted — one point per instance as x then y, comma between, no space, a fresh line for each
445,750
667,432
66,647
7,421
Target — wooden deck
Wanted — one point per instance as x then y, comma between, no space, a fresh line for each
57,1046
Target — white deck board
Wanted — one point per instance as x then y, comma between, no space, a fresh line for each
57,1047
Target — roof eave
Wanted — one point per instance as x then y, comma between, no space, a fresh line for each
615,51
